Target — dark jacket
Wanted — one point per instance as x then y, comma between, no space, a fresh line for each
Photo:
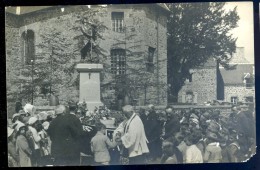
172,126
152,126
65,132
246,123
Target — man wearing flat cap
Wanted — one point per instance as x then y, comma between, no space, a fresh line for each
65,131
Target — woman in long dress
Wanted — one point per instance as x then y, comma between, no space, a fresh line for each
22,147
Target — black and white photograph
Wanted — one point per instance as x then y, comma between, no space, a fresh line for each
130,84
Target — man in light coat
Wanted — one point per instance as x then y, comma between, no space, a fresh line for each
134,138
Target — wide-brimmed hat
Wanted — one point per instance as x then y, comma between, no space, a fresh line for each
28,108
10,131
19,125
32,120
15,115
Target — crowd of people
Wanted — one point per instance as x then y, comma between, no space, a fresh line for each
145,136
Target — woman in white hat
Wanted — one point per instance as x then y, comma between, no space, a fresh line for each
13,157
22,146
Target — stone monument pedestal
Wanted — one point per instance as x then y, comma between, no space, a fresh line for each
89,86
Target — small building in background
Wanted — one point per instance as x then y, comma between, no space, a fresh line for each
213,82
239,83
201,86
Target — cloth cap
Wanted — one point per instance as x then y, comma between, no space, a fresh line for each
32,120
10,131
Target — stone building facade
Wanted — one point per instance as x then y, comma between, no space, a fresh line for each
239,84
201,86
135,43
213,82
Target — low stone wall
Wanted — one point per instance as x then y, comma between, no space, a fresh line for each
222,108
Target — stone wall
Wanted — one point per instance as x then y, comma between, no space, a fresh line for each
203,85
239,91
141,32
139,35
13,64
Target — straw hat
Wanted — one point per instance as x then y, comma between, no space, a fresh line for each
19,125
15,115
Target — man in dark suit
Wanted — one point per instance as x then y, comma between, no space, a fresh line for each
153,130
65,132
172,125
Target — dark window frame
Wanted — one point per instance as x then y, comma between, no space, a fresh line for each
118,61
28,47
234,101
117,21
150,60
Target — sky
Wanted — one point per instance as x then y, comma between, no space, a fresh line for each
245,30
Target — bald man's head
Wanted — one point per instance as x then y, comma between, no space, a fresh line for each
128,110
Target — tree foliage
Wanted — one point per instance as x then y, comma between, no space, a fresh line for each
89,34
196,33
